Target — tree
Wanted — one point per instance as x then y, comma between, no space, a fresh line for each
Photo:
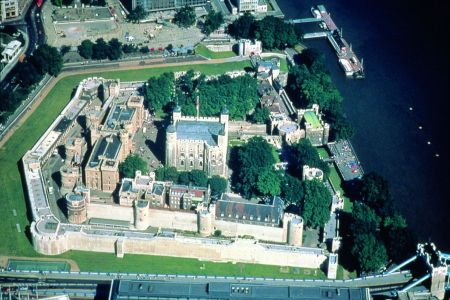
28,75
303,153
218,185
184,178
115,49
292,190
253,158
243,27
275,33
317,202
370,252
166,174
127,48
269,182
198,178
185,17
47,59
64,49
364,219
131,164
213,21
159,91
144,50
86,49
100,49
260,115
375,192
137,14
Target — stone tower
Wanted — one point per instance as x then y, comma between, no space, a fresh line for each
141,214
76,208
69,177
205,220
171,142
293,226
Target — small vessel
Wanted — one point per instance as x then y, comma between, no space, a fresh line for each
39,3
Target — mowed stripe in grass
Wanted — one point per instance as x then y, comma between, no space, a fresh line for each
107,262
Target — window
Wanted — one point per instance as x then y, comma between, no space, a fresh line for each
182,162
192,163
201,164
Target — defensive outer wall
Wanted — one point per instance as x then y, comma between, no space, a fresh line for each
50,236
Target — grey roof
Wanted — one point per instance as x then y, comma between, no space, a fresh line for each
272,210
171,128
158,189
199,130
119,115
176,289
108,149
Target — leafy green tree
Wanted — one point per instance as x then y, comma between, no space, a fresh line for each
127,48
86,49
364,219
198,178
137,14
159,91
184,178
253,157
64,49
28,75
185,17
269,182
100,49
317,203
47,59
115,49
400,241
375,192
292,190
275,33
213,21
218,185
303,153
166,174
131,164
260,115
370,252
243,27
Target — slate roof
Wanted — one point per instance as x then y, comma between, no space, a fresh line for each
231,289
119,115
250,211
199,130
104,148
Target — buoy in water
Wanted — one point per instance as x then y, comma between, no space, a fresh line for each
428,142
420,127
437,155
410,108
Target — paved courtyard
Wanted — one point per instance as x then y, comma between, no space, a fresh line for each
148,34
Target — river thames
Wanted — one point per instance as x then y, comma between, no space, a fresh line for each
400,110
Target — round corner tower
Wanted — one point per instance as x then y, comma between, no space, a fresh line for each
69,177
76,208
141,214
294,229
205,224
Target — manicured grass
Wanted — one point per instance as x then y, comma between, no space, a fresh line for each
37,265
323,153
300,47
202,50
283,62
233,143
15,243
108,262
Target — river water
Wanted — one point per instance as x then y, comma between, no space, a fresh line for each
405,49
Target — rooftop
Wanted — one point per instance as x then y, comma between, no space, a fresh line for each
105,148
118,116
311,118
199,130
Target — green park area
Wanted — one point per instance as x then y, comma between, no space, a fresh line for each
37,265
13,207
201,49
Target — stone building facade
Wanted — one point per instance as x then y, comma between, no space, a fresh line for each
198,143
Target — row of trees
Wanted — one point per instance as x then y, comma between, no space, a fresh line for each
45,59
378,230
309,83
238,94
254,175
273,32
217,184
185,17
101,49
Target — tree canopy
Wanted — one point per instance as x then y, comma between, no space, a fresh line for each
115,49
375,192
131,164
218,185
185,17
260,115
47,59
370,252
86,49
273,32
159,91
213,21
166,174
137,14
254,158
303,153
292,190
316,203
198,178
269,182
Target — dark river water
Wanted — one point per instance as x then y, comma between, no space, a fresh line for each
405,49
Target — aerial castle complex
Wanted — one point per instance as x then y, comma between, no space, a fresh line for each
96,130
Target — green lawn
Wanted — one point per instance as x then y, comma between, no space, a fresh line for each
13,198
300,47
202,50
108,262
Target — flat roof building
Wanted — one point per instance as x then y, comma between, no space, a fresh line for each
9,9
160,5
11,50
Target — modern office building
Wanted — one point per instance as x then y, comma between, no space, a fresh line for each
160,5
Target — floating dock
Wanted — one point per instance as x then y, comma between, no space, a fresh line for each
352,66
